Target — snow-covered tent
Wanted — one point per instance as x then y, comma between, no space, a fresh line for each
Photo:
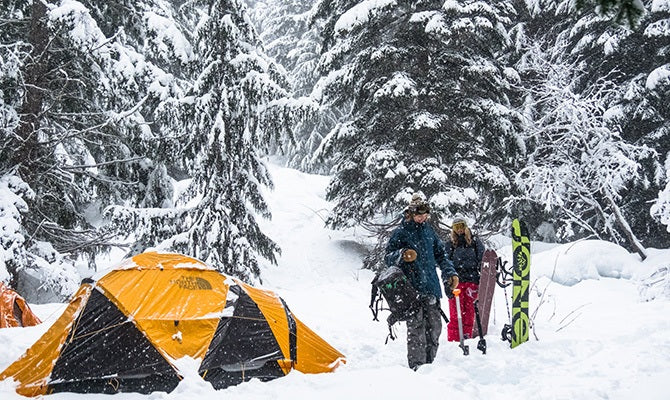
125,331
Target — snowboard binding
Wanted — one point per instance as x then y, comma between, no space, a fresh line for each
506,333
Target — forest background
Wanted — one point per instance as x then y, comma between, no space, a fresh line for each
556,111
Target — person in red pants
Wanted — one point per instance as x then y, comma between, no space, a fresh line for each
465,251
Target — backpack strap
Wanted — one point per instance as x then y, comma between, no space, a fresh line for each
375,299
391,320
444,316
391,335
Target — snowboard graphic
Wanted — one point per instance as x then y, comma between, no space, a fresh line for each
521,275
487,283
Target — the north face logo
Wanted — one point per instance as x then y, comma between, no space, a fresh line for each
192,283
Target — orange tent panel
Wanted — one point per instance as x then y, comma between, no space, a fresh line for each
315,355
14,310
34,367
147,296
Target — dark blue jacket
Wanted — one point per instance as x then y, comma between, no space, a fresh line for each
466,258
431,253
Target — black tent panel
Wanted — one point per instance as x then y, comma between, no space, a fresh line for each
222,377
113,385
18,314
292,332
243,347
106,353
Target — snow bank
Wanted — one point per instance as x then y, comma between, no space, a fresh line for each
593,335
572,263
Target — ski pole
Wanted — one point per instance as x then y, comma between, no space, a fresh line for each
506,333
481,345
466,350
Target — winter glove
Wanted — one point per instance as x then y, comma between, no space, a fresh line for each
452,282
409,255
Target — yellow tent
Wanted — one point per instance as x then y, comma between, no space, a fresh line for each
123,333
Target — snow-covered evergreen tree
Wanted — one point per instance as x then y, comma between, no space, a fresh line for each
430,110
292,37
660,210
643,111
624,57
13,191
152,53
636,60
78,141
216,134
626,12
284,28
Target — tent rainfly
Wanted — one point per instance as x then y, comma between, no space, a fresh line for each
124,331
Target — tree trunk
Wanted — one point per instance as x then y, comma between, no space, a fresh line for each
633,241
26,153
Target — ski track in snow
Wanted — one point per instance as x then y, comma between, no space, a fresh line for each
596,339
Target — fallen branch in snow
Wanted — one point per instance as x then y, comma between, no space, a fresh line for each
316,212
542,297
551,280
572,319
656,285
532,317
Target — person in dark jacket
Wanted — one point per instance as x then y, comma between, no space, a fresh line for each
416,248
466,252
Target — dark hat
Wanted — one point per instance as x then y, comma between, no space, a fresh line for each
418,205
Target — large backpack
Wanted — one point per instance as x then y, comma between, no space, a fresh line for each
391,285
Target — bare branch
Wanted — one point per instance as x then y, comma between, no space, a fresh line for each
125,160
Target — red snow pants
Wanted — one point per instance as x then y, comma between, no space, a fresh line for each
467,297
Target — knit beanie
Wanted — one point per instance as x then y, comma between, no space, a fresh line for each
418,205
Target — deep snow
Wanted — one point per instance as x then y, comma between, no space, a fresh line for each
595,335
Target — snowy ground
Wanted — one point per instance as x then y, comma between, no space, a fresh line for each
595,336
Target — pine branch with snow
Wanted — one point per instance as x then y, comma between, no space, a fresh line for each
427,108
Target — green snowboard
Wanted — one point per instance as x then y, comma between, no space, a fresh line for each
521,275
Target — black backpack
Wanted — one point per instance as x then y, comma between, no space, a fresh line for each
391,285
